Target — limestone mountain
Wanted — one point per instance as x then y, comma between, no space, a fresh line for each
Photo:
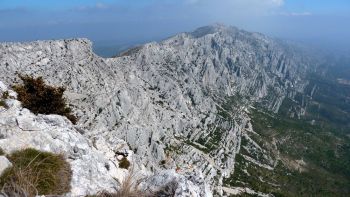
205,103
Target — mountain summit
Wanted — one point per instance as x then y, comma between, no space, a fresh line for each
216,28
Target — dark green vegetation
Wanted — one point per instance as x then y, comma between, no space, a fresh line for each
313,148
327,158
327,98
202,148
325,151
2,152
330,103
124,163
2,103
41,98
36,173
5,95
210,142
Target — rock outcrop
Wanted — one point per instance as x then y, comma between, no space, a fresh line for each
93,162
4,164
92,170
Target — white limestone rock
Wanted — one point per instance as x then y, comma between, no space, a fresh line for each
170,183
4,164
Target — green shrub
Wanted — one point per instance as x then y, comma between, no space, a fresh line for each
41,98
2,152
3,104
124,163
5,95
36,173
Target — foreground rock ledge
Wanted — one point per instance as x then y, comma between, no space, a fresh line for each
94,165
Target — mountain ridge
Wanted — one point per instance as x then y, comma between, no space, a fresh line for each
188,101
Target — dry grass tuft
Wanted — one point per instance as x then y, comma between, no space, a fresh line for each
36,173
41,98
128,188
21,183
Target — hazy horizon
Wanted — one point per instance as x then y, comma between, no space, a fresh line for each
112,23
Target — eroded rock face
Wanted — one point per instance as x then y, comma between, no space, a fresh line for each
179,104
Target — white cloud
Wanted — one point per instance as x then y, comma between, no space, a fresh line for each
240,7
101,6
233,2
276,2
293,14
191,1
300,14
97,6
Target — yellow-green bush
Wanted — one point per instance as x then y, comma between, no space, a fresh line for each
36,173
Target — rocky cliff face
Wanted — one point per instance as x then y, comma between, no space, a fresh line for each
180,104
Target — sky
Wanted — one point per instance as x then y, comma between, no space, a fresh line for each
324,23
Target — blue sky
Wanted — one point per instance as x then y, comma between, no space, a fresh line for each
319,22
317,6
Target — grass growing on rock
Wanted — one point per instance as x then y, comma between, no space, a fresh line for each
41,98
36,173
128,188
